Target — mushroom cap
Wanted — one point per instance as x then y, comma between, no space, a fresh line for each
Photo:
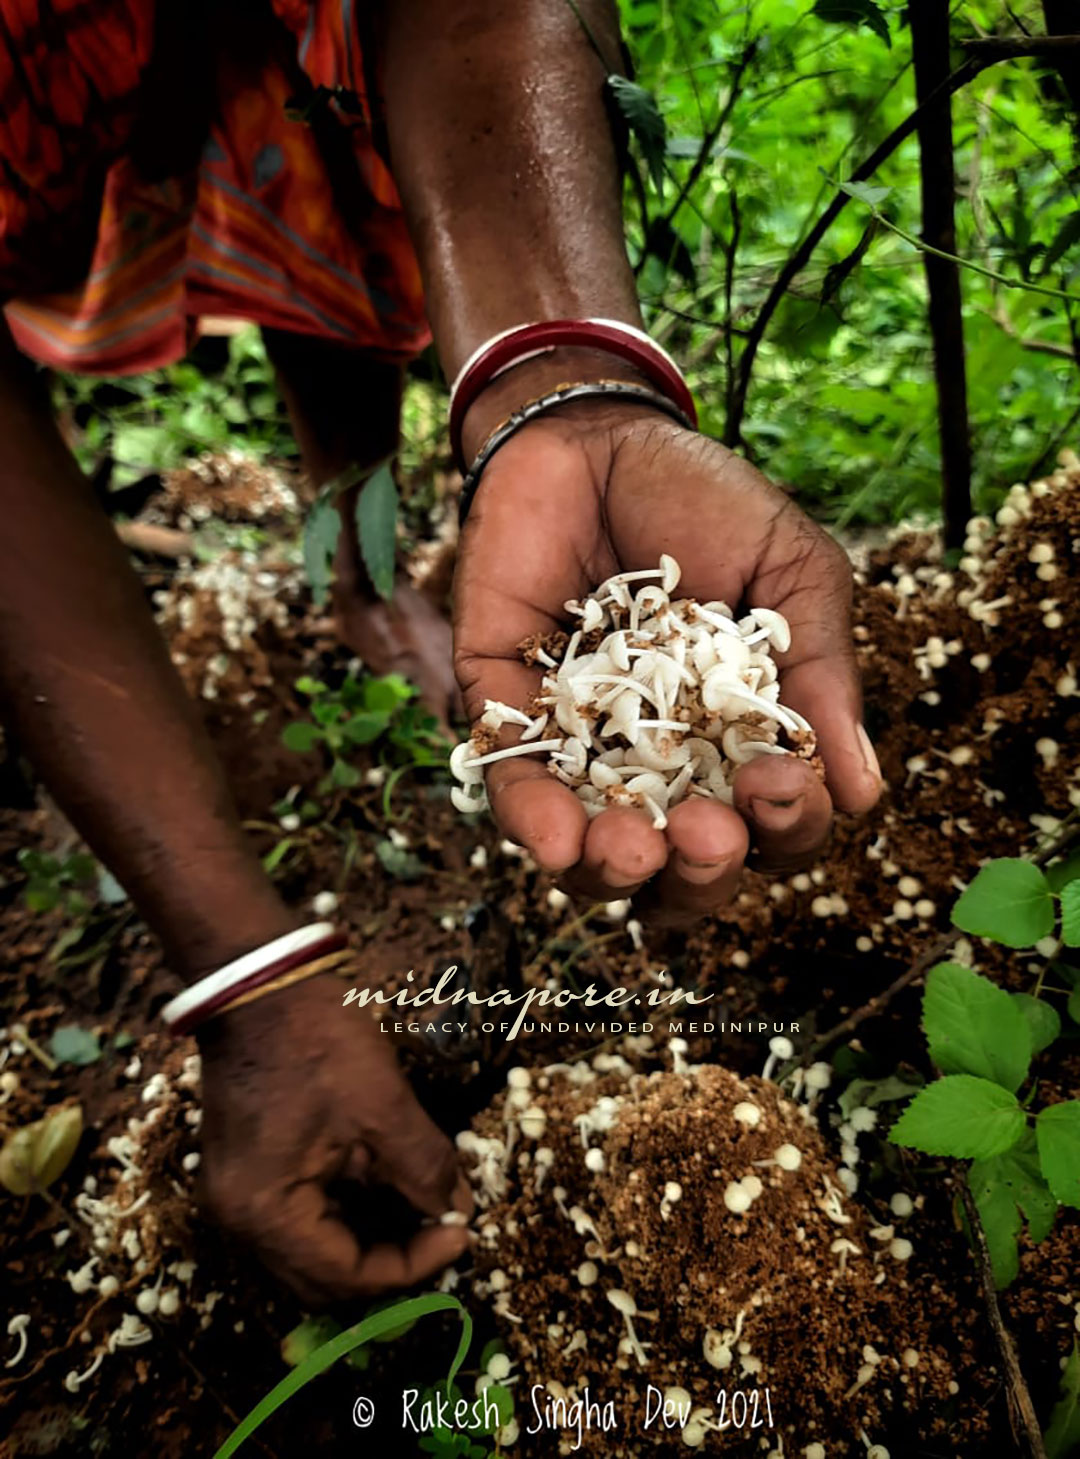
622,1301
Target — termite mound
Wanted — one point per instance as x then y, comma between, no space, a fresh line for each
689,1230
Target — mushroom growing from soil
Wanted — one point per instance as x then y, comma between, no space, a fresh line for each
649,702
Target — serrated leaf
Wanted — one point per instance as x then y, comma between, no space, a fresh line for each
1042,1020
855,13
376,528
1062,1437
321,532
1015,1175
1001,1224
1057,1131
639,111
974,1027
962,1116
1009,902
1070,914
71,1044
866,192
301,736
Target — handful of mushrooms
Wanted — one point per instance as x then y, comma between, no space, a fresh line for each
648,701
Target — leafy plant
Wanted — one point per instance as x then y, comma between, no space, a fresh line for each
35,1155
366,711
370,1329
375,514
54,882
983,1040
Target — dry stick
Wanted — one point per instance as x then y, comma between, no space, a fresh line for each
1065,834
1022,1419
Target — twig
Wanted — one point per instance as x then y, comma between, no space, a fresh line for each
989,49
712,135
1065,834
1025,1425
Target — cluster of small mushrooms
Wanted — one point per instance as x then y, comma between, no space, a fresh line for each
650,700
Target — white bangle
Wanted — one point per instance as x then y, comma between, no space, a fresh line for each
210,989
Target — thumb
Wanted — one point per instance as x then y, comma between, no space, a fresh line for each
414,1156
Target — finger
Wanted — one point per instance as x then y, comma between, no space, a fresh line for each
825,692
708,843
787,809
530,806
414,1156
622,850
322,1261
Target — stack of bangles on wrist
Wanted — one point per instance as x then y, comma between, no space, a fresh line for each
301,954
666,390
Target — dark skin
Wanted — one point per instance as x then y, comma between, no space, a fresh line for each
513,218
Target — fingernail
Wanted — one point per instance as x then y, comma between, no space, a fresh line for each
700,873
870,759
776,815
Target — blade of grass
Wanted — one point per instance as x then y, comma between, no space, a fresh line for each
324,1357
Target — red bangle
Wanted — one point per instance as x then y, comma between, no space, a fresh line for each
526,341
216,999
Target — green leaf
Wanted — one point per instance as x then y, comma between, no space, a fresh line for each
321,532
974,1027
866,192
301,736
855,13
1057,1130
399,861
1005,1186
1061,873
1068,236
361,729
309,686
344,776
1073,1005
71,1044
302,1341
1070,914
1062,1437
872,1092
1008,902
639,111
42,896
376,528
1001,1222
962,1116
38,1154
382,696
324,1357
1043,1021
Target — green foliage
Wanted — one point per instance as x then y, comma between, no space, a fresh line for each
366,711
1009,901
53,882
408,1310
71,1044
639,111
1070,914
156,421
322,528
1062,1437
974,1027
983,1039
376,528
841,403
962,1116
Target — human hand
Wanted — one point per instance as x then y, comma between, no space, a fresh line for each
299,1094
587,492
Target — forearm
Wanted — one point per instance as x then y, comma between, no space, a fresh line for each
502,150
87,682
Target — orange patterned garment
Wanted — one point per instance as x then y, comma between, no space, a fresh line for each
105,264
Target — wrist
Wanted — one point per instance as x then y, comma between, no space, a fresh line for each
534,378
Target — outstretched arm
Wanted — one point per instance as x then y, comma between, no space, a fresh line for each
501,146
296,1091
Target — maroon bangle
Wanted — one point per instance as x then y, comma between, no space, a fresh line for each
334,942
515,346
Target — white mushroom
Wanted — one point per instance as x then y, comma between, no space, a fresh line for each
17,1327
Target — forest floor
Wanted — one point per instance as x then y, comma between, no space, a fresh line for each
422,889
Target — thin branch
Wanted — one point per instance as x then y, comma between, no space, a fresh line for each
994,48
709,140
798,260
1002,319
976,268
1025,1425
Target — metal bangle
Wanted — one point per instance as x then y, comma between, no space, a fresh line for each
532,409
